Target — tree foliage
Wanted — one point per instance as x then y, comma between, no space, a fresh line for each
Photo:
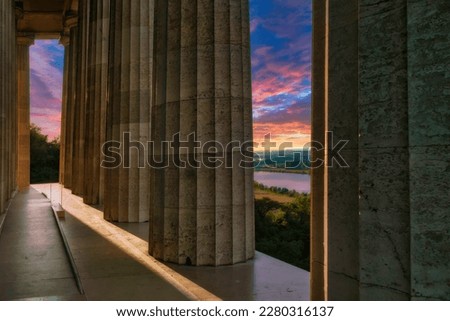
44,157
282,230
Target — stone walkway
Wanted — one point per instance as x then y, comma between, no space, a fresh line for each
33,262
34,265
113,262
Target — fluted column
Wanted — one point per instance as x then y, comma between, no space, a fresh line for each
131,49
429,147
11,87
23,106
380,202
70,66
95,117
65,41
318,235
202,213
80,97
3,111
8,106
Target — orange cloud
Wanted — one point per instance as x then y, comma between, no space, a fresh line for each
295,132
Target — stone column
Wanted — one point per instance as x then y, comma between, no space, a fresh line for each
65,41
24,41
80,98
202,214
317,260
12,88
97,81
3,109
384,209
71,24
8,106
3,40
378,224
429,147
335,108
129,85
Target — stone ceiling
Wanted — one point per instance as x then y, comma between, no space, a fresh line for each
44,18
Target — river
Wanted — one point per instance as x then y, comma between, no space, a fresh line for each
298,182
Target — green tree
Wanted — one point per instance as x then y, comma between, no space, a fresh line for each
282,230
44,157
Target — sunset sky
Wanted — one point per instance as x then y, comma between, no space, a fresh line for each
281,61
46,64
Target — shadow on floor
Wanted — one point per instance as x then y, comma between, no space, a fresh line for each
264,278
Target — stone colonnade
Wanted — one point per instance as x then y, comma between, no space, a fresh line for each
380,225
200,216
380,81
199,82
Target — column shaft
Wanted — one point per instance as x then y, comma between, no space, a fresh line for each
11,106
95,134
23,108
202,215
65,41
334,208
379,222
131,48
13,101
341,206
429,149
8,107
3,106
383,152
69,102
80,98
319,89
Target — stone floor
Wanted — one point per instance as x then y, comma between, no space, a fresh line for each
113,263
35,266
33,262
261,279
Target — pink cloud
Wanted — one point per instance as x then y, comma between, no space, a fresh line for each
276,78
254,23
281,71
298,111
48,120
